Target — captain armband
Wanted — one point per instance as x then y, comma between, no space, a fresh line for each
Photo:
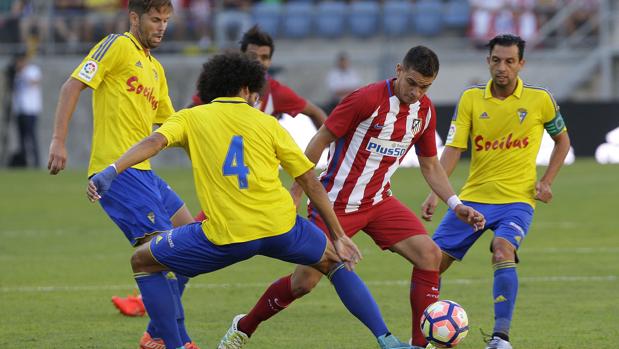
556,125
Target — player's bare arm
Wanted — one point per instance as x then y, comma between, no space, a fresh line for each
449,160
69,95
543,191
315,113
146,149
437,179
315,147
345,247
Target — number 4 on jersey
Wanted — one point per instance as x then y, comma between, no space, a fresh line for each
234,164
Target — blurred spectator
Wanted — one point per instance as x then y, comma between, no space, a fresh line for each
102,17
231,22
492,17
341,80
11,12
585,13
68,21
199,21
27,106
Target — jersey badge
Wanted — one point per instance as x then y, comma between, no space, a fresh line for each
88,71
138,64
416,126
151,217
522,113
484,115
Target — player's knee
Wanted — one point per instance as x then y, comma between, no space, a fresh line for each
431,257
303,283
503,251
139,262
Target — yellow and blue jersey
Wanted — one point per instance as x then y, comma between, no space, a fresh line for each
130,94
236,151
505,137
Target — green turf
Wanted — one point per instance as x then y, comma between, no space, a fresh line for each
62,260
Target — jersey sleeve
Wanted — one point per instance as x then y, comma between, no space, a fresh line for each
460,127
164,107
426,145
551,116
285,100
292,159
174,129
102,58
349,112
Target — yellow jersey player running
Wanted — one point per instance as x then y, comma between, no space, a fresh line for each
130,94
504,120
236,151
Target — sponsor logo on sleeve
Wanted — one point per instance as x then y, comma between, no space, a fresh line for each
88,71
451,134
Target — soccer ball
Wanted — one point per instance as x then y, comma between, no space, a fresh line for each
444,324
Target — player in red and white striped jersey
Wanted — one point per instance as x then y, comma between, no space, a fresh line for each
369,134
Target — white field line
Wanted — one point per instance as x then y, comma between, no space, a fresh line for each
198,285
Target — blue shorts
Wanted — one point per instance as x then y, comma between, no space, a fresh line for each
508,221
140,203
186,250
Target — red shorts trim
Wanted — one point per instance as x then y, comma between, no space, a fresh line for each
387,223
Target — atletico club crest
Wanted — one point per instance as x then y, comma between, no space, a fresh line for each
522,113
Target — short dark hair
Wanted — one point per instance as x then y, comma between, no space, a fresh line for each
224,75
421,59
507,40
143,6
257,37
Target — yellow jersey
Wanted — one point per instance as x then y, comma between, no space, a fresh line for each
505,138
236,151
130,94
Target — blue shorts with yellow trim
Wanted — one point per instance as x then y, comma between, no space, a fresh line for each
140,203
186,250
508,221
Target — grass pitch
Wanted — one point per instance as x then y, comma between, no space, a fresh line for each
62,259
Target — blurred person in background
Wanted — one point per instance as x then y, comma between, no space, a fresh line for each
231,21
27,107
504,121
341,80
130,95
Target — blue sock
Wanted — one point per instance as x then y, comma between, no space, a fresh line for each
182,282
160,305
358,299
174,282
504,292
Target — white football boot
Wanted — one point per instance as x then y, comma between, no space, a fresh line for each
234,339
498,343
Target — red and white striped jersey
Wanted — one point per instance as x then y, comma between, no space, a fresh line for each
374,132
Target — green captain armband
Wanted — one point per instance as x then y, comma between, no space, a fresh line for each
556,125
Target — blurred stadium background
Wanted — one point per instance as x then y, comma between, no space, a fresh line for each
573,50
63,258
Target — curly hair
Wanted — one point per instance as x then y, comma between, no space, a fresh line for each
224,75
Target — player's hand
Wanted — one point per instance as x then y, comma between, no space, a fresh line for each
100,183
470,216
429,206
348,251
57,156
543,192
296,191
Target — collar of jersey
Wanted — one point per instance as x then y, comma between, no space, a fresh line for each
135,41
517,92
229,100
